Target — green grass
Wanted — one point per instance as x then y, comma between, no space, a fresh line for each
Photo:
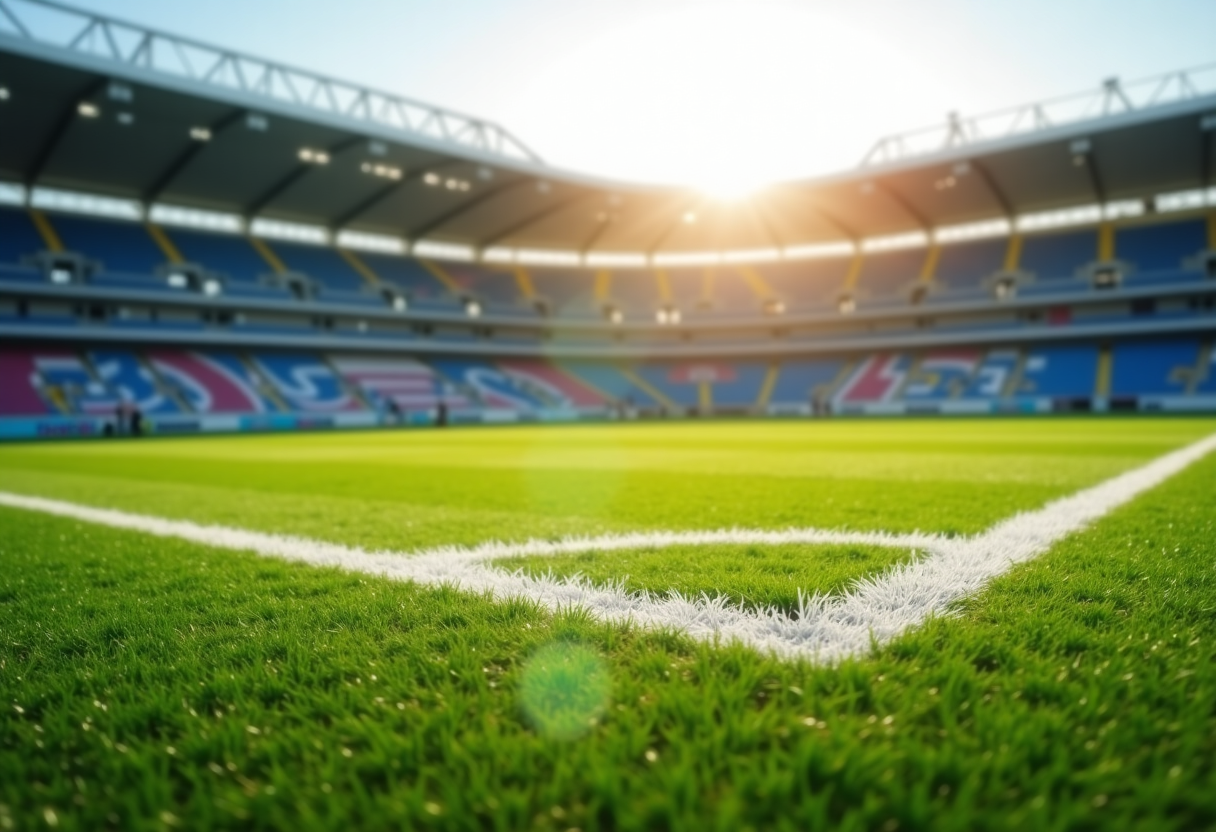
154,684
755,576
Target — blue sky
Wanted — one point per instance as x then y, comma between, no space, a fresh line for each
700,91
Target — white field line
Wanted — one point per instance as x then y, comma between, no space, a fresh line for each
825,628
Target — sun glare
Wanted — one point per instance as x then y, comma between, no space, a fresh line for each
722,97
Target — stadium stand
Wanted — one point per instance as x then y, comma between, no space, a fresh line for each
1101,306
569,293
19,238
1060,371
962,266
1161,248
124,247
1058,256
305,383
1143,368
124,373
885,275
810,285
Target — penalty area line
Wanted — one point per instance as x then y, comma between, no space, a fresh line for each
825,628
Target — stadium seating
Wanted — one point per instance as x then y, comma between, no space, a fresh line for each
1058,256
941,374
635,292
569,293
799,380
1152,367
19,396
18,236
124,373
226,254
209,383
1066,371
168,383
961,266
321,263
809,285
739,387
305,383
423,288
124,247
993,375
1160,247
888,273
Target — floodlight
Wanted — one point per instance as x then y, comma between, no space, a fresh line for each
200,134
88,109
846,305
399,303
178,280
212,287
61,276
4,94
661,316
472,308
126,119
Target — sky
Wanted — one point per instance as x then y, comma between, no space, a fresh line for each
719,94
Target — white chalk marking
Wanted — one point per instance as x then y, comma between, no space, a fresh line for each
824,629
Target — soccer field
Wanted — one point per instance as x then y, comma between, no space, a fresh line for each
946,624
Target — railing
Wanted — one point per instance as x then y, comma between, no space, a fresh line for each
1113,97
125,43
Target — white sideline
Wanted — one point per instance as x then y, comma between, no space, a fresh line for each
825,628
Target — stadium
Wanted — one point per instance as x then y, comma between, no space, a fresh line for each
359,468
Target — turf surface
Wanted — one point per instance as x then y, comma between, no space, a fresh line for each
152,683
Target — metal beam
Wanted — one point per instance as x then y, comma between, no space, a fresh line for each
183,160
762,218
533,218
366,204
993,188
906,206
297,173
178,58
485,196
63,123
1095,176
670,228
836,223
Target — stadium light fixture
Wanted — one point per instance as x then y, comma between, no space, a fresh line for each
431,179
4,94
774,306
177,280
615,316
846,305
660,316
313,157
383,171
88,109
258,122
212,287
472,308
126,119
400,304
200,134
61,276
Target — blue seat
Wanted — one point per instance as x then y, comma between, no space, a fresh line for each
18,236
124,247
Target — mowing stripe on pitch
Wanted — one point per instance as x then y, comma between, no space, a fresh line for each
825,628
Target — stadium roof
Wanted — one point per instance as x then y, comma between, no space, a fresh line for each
94,104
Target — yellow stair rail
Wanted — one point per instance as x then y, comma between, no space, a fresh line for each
46,231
